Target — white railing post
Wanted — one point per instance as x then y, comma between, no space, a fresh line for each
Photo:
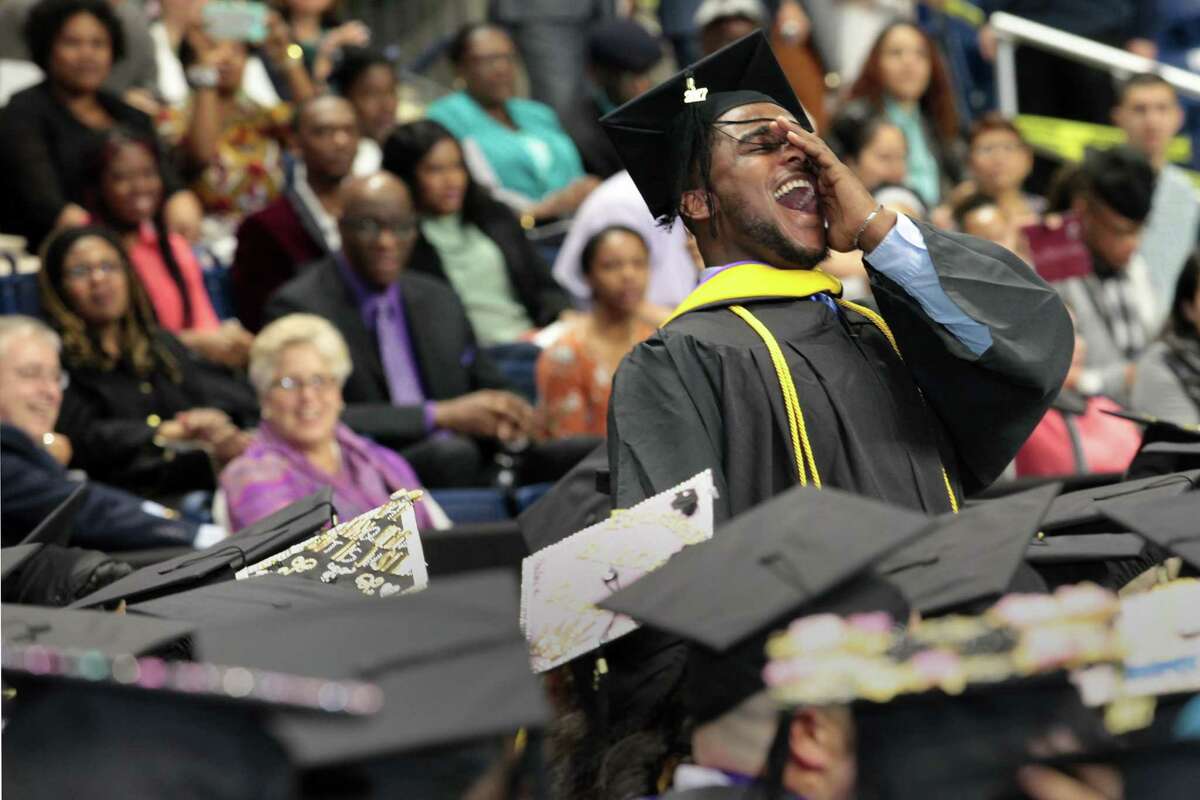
1006,77
1012,31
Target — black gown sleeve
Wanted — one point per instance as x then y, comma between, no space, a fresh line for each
988,403
663,426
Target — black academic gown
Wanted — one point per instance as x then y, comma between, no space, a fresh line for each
703,391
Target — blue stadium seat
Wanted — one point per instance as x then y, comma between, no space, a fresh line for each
472,505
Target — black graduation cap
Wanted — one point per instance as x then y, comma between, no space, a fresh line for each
1166,446
234,601
13,558
1083,548
1173,525
767,563
451,662
56,527
656,134
970,556
264,538
112,634
1079,512
805,549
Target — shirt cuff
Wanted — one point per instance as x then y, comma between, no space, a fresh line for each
430,416
899,255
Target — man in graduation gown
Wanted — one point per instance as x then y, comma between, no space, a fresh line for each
765,373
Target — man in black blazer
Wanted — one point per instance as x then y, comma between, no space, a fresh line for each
441,396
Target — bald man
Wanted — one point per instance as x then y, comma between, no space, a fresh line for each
299,226
420,383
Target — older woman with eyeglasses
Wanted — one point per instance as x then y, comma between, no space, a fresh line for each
298,365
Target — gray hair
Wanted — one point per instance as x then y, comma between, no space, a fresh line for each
292,330
16,326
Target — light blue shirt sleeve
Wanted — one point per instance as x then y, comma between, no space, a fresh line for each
903,257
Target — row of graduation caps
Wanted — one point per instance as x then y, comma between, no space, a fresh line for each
450,663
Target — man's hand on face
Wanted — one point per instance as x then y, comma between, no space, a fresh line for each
845,202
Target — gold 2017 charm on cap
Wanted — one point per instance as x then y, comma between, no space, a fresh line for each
694,95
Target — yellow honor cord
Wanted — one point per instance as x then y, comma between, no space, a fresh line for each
801,449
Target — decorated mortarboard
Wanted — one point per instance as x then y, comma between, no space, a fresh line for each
561,584
656,134
1079,511
970,556
98,631
296,522
377,554
233,601
56,527
96,724
450,661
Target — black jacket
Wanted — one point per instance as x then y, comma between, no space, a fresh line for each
449,361
44,155
33,484
535,288
107,415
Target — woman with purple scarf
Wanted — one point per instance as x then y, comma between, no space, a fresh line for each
298,365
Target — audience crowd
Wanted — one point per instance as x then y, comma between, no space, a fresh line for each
256,280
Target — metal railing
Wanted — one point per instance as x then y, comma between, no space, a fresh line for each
1012,31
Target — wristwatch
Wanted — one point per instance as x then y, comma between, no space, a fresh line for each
200,76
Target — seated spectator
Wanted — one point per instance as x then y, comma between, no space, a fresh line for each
979,215
874,148
35,456
232,146
367,78
47,131
125,194
141,411
906,79
1166,383
900,199
513,146
621,54
298,365
299,226
1116,309
674,263
574,374
1076,437
1149,113
1000,160
718,23
132,77
321,33
419,377
471,241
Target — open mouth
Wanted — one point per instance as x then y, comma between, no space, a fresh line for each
797,194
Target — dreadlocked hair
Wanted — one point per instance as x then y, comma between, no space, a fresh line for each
694,166
141,347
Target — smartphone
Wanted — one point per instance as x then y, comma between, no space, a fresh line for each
1057,248
241,20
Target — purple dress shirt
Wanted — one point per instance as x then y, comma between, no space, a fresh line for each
383,314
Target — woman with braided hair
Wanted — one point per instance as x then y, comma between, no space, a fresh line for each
141,410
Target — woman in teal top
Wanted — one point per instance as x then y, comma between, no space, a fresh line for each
515,147
905,79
